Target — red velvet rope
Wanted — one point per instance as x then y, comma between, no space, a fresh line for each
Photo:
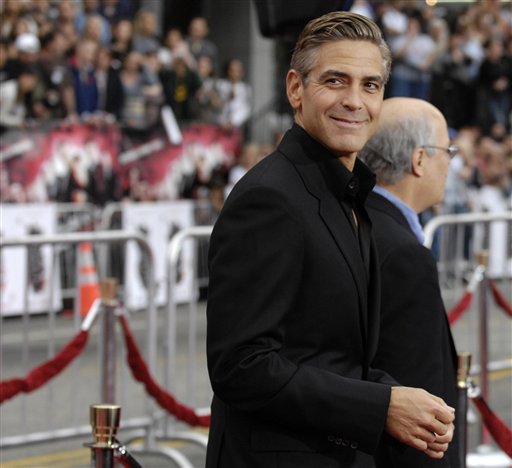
499,299
498,429
463,305
42,374
141,373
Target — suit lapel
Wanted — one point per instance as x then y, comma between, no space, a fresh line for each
334,218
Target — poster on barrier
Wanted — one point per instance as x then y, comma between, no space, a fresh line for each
29,279
157,222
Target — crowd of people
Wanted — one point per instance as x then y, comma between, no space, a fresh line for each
105,59
460,60
93,59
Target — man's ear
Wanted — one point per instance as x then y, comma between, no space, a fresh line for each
418,161
294,88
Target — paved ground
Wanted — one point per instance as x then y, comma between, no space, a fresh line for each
65,402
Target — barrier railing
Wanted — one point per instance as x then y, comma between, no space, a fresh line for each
477,282
463,366
175,250
28,434
457,239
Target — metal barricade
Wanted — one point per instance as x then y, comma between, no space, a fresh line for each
457,239
42,416
193,367
462,245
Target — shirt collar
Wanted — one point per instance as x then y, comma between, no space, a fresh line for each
342,182
410,215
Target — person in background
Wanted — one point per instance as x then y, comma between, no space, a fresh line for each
494,195
180,84
139,85
65,21
122,36
92,29
11,11
413,56
198,42
4,54
235,95
16,100
250,155
294,288
174,44
84,77
145,39
90,23
207,99
54,95
114,10
108,82
410,154
456,96
26,47
495,90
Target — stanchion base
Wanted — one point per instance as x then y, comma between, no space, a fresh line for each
487,455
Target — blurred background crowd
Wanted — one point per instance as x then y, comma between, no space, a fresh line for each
118,62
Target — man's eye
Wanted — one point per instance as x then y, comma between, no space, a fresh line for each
333,81
373,86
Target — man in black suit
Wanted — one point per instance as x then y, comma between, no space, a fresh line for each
410,154
293,295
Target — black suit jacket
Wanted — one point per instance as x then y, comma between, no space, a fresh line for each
292,321
416,345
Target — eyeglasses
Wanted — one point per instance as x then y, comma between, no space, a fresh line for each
452,150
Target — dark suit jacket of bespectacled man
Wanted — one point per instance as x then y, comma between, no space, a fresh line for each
409,154
293,295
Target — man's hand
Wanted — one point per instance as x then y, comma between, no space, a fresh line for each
420,420
436,449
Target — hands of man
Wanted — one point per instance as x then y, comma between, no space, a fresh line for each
420,420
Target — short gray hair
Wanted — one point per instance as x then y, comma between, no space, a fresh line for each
337,26
388,152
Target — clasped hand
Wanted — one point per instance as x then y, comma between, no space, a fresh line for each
420,420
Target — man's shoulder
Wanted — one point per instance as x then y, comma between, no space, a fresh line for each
384,210
389,226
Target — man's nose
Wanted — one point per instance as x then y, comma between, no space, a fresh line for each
352,98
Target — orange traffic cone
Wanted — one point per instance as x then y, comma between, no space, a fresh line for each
88,286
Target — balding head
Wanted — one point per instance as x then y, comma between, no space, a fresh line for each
401,109
410,132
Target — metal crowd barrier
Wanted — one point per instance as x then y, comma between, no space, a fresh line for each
464,247
458,239
43,416
188,394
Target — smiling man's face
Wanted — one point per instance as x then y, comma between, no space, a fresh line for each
339,103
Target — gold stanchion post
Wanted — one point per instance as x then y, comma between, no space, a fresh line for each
104,419
463,382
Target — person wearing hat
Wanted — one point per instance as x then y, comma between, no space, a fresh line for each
27,48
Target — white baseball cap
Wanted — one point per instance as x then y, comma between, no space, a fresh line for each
27,42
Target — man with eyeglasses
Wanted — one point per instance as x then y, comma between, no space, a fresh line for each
410,154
